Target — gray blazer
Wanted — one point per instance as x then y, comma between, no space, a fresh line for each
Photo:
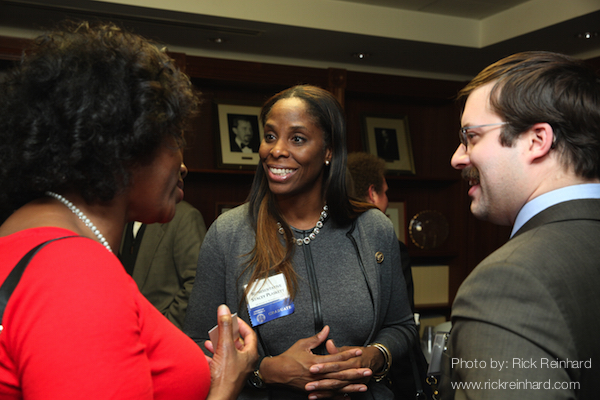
530,312
165,268
362,299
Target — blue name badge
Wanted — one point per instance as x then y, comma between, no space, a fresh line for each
269,299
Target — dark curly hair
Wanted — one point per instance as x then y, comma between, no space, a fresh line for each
86,104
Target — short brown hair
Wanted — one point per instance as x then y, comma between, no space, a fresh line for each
537,86
366,170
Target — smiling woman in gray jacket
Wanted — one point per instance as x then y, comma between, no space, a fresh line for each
304,263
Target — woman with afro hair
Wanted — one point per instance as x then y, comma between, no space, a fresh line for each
91,136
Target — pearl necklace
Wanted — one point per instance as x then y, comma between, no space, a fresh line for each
311,236
82,217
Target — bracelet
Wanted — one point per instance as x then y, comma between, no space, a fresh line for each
378,377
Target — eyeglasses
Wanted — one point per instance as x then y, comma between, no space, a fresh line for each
462,132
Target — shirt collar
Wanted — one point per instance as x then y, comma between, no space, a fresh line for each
546,200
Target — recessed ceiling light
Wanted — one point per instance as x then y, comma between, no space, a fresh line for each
361,56
218,40
587,35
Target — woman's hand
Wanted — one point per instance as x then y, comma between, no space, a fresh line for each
293,367
233,359
344,377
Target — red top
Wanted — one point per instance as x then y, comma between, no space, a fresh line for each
77,327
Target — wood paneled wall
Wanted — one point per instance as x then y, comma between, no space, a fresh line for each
433,125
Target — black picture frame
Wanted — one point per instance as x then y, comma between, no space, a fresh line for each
388,137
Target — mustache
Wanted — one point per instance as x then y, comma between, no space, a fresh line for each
470,173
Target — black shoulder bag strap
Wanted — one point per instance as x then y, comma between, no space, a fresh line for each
14,277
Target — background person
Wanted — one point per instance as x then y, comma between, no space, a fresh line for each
91,126
530,150
338,260
368,177
369,183
162,259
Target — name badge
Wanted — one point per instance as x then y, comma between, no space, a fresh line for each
269,299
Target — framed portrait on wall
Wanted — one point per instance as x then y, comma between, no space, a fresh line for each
239,135
388,137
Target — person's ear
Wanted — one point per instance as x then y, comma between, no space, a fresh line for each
372,195
541,140
328,155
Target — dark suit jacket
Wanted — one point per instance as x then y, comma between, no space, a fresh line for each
165,268
532,302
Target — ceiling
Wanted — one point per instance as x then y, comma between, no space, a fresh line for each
445,39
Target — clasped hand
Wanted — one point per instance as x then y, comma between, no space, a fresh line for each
343,370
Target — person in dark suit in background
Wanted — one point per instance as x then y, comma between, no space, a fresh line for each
368,178
369,185
530,150
162,259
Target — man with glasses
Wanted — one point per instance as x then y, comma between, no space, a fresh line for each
526,322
